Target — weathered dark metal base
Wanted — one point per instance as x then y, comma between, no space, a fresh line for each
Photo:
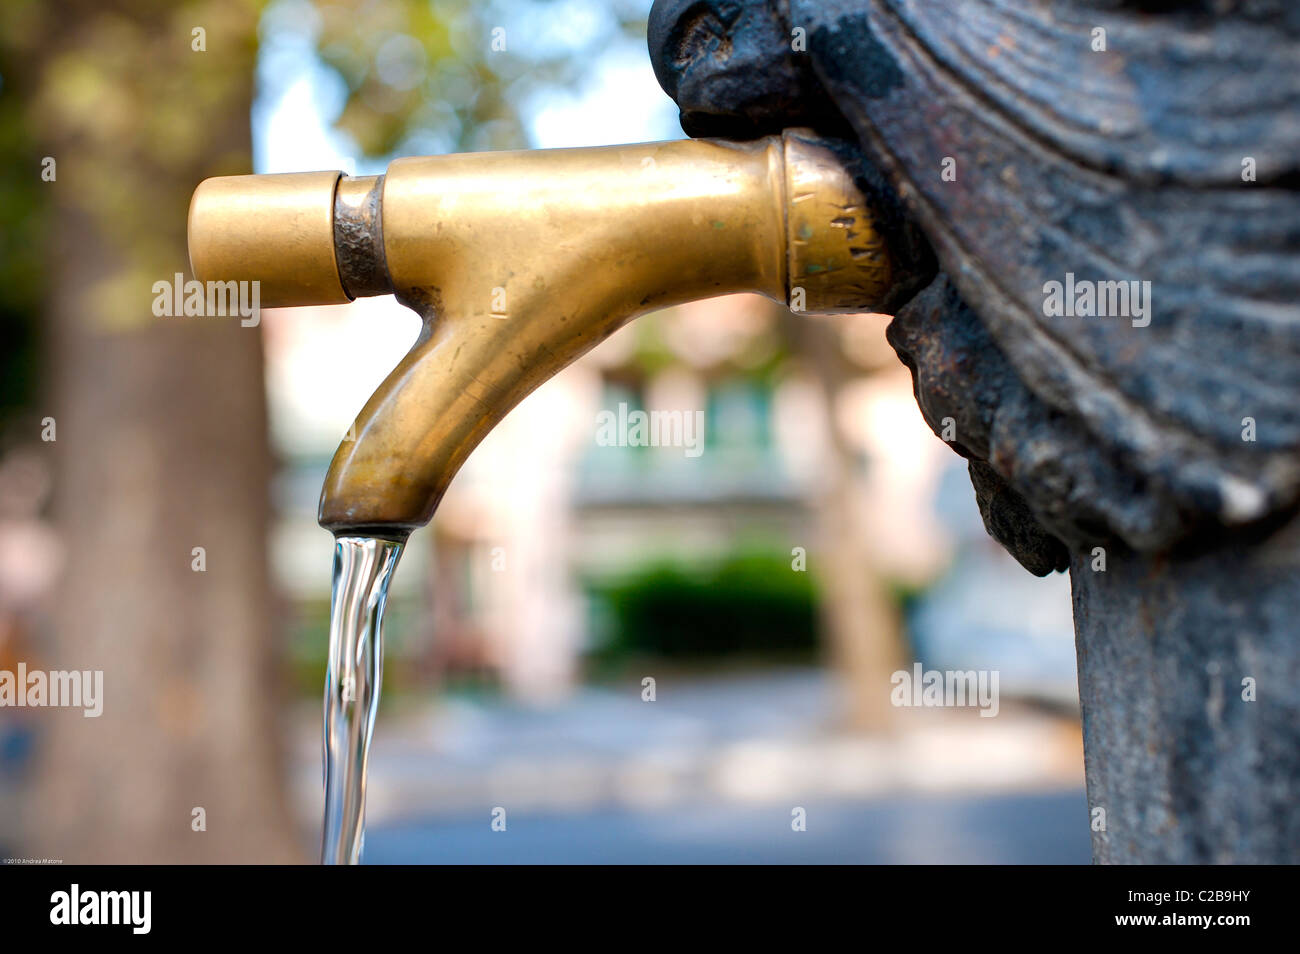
1187,768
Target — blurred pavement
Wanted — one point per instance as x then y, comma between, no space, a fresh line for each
711,772
1043,828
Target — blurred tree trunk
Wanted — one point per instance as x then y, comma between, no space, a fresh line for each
162,444
862,622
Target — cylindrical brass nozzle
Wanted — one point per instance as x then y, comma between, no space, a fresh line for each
277,230
520,262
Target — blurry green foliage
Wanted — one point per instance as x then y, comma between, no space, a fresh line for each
23,210
749,603
456,73
116,93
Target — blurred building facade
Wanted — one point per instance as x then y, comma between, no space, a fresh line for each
546,510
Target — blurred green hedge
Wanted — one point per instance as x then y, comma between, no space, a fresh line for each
750,603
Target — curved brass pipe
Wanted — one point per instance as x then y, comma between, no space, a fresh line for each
520,262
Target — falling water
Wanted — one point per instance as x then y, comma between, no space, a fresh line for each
363,567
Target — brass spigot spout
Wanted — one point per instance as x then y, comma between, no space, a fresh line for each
520,262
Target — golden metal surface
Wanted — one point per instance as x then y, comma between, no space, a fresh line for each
836,254
275,229
352,191
520,262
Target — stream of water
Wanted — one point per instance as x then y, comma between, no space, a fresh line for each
363,567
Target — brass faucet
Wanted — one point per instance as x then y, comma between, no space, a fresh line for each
519,263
